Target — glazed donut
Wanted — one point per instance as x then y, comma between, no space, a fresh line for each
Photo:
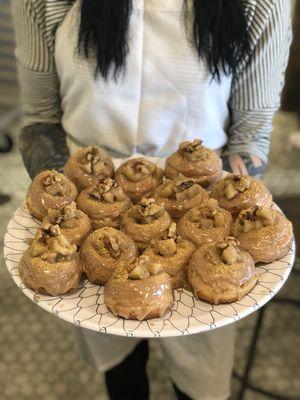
221,272
239,192
265,233
50,265
133,292
49,189
74,224
194,161
180,195
138,177
205,224
171,254
85,166
104,203
103,251
145,221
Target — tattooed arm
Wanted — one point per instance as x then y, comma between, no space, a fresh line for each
245,164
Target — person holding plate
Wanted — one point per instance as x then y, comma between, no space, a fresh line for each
142,76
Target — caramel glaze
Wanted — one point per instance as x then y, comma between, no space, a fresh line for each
139,299
74,224
102,210
189,226
267,243
51,264
86,165
194,161
103,251
256,195
49,189
216,281
180,195
143,228
138,177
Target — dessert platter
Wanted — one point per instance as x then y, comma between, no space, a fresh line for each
149,247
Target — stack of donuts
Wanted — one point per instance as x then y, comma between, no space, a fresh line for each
142,232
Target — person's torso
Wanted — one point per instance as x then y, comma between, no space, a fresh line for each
166,95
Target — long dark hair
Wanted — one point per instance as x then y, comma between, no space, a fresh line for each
220,34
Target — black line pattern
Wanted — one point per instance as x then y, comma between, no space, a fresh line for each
85,306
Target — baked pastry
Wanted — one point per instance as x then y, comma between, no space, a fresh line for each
265,233
104,203
170,254
221,272
74,224
51,264
145,221
180,195
133,292
138,177
49,189
239,192
85,166
205,224
193,160
103,251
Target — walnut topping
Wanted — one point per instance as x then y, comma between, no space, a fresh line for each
209,215
185,189
149,211
107,191
92,163
193,151
53,185
236,184
144,268
229,250
256,218
138,170
113,246
166,248
51,245
65,217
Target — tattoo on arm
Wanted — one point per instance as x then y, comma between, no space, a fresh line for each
245,162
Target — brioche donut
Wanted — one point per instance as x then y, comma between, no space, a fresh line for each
49,189
104,203
85,166
138,177
239,192
145,221
205,224
74,224
50,265
170,254
194,161
180,195
221,272
138,294
103,251
265,233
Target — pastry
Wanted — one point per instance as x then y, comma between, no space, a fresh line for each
74,224
265,233
205,224
170,254
103,251
138,177
222,272
239,192
50,265
180,195
85,166
49,189
145,221
193,160
133,292
104,203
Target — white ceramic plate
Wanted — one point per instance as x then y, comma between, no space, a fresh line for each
85,306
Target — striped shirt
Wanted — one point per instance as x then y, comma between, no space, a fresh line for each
255,90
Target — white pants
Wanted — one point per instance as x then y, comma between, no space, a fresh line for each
200,365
